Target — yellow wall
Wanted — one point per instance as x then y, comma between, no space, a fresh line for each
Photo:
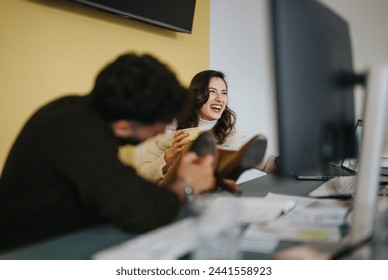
51,48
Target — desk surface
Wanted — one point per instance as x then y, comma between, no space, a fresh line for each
282,185
83,244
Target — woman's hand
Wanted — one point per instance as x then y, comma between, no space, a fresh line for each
179,141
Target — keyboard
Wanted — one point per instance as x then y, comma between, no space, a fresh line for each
324,172
331,170
342,185
168,242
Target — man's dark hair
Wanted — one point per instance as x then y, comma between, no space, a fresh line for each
199,95
138,88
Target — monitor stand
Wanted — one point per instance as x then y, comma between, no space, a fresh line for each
366,198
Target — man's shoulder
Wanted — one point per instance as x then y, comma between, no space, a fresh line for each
66,111
63,105
67,100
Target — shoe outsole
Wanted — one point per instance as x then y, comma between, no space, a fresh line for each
204,144
251,156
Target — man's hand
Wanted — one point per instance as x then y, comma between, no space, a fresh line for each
231,184
198,172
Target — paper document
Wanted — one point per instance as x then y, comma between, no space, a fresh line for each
261,210
256,210
311,220
303,201
177,239
292,233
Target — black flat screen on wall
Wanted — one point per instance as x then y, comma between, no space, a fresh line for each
175,15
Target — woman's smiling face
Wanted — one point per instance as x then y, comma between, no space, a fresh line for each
218,99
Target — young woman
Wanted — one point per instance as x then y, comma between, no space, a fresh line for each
207,109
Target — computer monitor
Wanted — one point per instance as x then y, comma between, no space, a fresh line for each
314,98
315,104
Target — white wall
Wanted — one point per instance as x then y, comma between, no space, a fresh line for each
239,46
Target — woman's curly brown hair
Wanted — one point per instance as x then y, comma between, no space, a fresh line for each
198,95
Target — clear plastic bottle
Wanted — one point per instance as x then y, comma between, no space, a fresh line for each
218,230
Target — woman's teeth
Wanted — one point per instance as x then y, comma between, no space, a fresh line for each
216,107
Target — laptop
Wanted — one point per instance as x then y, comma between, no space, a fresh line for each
348,166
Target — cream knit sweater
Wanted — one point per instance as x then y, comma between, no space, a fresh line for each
154,148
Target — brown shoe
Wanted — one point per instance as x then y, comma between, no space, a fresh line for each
204,145
223,184
231,164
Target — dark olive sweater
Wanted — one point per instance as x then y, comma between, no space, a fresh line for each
63,174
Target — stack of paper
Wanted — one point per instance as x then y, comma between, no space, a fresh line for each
177,239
